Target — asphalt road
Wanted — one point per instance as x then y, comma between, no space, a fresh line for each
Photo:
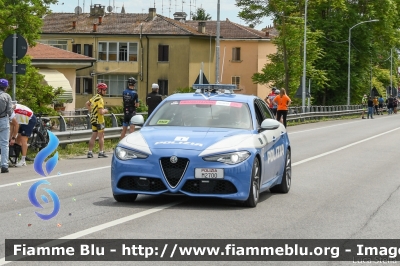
345,185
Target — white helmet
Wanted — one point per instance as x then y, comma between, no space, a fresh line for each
277,91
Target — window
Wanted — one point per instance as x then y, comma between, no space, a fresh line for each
62,44
88,50
163,84
264,109
78,85
236,81
87,86
76,48
116,84
163,53
117,51
236,54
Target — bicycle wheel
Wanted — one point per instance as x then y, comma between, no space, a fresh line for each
38,142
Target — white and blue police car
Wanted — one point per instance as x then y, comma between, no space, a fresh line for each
210,143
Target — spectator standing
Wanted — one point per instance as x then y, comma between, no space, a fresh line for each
153,98
270,100
376,105
364,101
380,105
5,113
370,104
96,107
389,102
131,102
283,101
395,103
26,121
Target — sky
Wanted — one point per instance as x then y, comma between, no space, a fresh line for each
167,8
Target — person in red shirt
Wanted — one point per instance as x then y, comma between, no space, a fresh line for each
283,101
270,100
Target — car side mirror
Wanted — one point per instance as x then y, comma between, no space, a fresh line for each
270,124
137,120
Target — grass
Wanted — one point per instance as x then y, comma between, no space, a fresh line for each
78,149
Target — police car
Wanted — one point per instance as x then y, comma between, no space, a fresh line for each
210,143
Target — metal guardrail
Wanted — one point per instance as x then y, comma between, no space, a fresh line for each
77,128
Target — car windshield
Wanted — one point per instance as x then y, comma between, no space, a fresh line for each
203,113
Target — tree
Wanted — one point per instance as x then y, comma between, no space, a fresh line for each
200,15
25,18
328,24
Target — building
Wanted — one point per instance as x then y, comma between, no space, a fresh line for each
149,47
243,52
59,68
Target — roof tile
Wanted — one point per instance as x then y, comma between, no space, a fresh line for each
46,52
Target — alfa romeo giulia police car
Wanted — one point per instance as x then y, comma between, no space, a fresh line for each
210,143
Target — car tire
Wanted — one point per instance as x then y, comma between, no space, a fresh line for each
254,193
286,182
125,198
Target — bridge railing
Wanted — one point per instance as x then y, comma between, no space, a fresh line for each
75,126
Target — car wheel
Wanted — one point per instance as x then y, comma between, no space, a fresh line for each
254,193
125,198
286,182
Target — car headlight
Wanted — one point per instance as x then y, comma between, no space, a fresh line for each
125,154
229,158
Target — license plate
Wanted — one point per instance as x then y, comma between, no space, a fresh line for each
209,173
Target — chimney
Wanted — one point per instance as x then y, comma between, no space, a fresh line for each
180,16
94,27
152,13
201,27
100,20
74,24
97,10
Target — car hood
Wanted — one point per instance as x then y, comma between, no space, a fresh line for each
185,138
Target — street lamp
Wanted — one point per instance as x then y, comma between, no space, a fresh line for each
348,74
303,94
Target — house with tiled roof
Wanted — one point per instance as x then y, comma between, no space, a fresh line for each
59,69
243,52
149,47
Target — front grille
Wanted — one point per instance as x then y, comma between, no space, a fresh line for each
141,183
209,187
174,172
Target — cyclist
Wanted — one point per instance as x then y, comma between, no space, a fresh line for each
97,111
270,100
131,102
27,121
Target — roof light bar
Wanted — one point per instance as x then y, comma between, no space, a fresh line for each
215,88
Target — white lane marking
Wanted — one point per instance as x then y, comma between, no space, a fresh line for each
100,227
344,147
318,128
48,177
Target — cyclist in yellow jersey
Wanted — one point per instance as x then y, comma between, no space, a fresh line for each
96,107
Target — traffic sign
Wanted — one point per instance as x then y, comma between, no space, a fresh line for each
21,68
22,47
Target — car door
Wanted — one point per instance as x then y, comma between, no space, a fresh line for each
274,156
267,144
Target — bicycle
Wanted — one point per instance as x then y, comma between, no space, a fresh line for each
40,137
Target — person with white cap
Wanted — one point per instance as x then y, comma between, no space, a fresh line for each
5,113
153,98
